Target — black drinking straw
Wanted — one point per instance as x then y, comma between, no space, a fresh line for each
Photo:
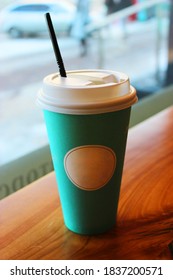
55,46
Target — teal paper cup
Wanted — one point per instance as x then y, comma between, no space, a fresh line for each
87,116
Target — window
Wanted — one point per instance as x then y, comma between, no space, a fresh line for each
136,45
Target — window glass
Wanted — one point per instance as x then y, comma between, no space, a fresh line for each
138,43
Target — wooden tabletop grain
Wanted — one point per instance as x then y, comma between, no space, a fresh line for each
31,223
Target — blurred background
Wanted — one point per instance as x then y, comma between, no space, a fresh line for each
129,36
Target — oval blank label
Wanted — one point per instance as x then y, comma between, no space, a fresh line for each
90,167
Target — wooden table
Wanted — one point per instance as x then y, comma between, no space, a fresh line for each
31,224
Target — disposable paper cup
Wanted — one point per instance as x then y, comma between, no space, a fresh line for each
87,117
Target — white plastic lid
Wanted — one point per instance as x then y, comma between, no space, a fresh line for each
86,92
